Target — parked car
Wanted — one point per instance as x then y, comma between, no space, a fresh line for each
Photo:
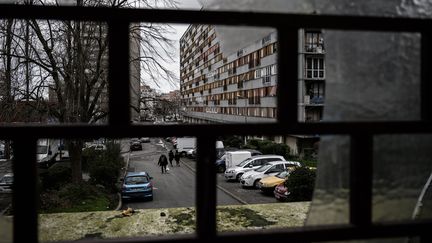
251,178
145,140
191,154
268,184
6,183
281,192
136,145
221,161
96,146
252,163
137,185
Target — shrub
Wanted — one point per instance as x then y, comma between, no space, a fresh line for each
233,141
275,148
81,197
254,144
104,169
301,184
269,147
89,154
55,177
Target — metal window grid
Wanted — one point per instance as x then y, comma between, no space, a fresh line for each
287,25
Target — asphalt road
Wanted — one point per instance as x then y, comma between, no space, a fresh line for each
246,195
174,189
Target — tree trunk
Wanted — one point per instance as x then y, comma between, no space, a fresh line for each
75,148
75,153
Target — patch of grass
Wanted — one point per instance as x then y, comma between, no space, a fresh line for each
245,217
77,198
183,220
97,203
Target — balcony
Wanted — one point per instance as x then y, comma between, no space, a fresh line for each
314,48
313,100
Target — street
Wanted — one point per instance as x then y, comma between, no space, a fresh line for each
174,189
177,187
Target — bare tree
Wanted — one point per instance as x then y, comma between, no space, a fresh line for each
64,64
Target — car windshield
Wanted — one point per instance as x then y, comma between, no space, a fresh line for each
263,168
134,180
42,149
244,162
282,174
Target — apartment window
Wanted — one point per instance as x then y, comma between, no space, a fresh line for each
315,89
314,42
258,73
266,39
239,53
273,69
315,68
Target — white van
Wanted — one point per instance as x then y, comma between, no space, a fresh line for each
46,149
184,144
234,158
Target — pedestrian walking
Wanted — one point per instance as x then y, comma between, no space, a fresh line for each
171,157
163,162
177,157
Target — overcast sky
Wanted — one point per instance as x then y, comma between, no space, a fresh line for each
175,67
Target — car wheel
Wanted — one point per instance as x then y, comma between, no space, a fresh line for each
239,176
255,185
183,154
221,169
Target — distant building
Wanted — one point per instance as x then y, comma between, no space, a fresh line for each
147,102
171,96
240,87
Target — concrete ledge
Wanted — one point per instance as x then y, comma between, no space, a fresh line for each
167,221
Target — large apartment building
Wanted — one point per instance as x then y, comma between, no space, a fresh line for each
240,87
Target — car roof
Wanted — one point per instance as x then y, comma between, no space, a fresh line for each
142,173
277,162
266,156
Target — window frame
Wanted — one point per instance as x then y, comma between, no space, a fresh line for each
24,136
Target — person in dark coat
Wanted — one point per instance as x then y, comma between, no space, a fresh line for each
170,157
177,157
163,162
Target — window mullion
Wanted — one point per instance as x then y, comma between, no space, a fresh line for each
119,94
288,75
206,188
426,75
361,179
25,195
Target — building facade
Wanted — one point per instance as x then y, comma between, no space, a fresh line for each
240,87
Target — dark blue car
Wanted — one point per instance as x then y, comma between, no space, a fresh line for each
137,185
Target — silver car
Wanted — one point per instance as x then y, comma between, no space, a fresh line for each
251,178
252,163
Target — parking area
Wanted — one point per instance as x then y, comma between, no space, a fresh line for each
246,195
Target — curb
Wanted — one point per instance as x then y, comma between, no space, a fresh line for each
2,213
119,205
221,188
